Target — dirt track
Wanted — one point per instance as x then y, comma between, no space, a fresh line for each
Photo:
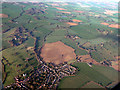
57,53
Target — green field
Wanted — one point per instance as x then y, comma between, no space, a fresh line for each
70,43
55,36
92,85
11,10
99,74
15,59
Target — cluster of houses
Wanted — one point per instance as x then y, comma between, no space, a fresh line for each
73,37
45,76
18,37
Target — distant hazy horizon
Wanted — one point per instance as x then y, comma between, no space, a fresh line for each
59,0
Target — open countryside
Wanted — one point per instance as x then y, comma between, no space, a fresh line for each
56,45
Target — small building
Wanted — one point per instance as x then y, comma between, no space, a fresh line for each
24,75
90,64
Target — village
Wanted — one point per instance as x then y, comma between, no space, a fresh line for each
44,76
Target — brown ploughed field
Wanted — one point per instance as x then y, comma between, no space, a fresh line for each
110,12
3,16
57,53
60,8
75,20
70,23
63,12
111,25
105,23
116,64
114,25
88,59
79,11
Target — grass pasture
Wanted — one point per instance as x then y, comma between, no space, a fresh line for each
109,72
99,74
106,52
55,36
74,81
85,31
92,84
17,62
30,42
72,44
11,10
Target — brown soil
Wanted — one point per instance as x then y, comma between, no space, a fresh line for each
1,25
109,12
57,53
105,23
88,59
117,57
64,12
79,11
55,4
116,64
114,26
75,20
60,8
116,67
3,16
64,4
70,23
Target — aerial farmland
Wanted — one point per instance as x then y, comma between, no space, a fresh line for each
57,45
